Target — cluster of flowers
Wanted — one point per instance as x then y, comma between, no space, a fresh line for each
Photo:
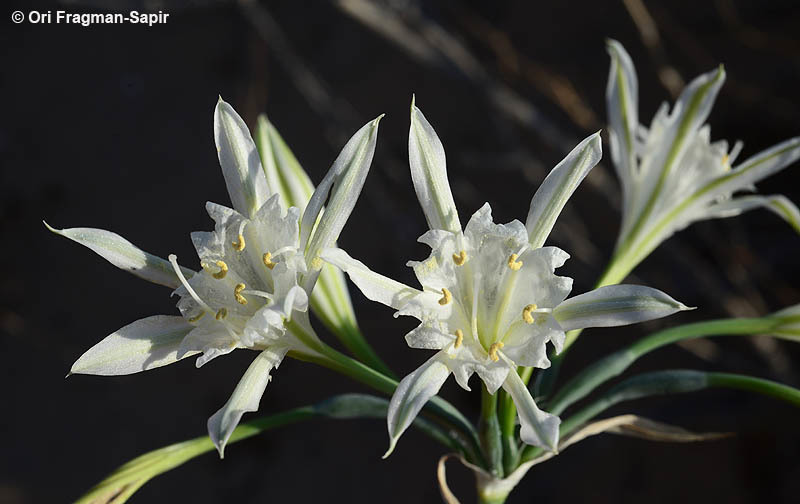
489,301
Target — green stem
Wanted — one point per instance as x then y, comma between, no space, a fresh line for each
489,428
507,416
437,407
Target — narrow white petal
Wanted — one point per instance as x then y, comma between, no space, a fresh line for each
615,305
124,255
284,173
238,157
558,186
245,397
537,427
429,174
375,286
145,344
622,101
411,395
781,205
343,182
750,171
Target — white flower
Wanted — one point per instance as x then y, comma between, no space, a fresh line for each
259,266
490,299
672,174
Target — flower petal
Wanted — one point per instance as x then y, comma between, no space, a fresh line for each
615,305
145,344
537,427
778,204
124,255
284,173
558,186
411,395
622,101
245,397
344,182
375,286
238,157
429,174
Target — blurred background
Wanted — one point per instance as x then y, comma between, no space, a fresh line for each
111,127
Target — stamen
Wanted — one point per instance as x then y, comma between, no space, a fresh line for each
268,260
221,314
513,263
460,258
173,259
526,313
223,270
447,297
238,245
237,293
316,263
459,338
726,162
196,317
493,350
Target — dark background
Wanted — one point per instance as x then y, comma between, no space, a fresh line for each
111,127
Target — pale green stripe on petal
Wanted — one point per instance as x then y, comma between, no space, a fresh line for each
537,428
343,182
145,344
411,395
429,173
778,204
375,286
622,101
558,186
615,305
284,173
246,396
238,158
124,255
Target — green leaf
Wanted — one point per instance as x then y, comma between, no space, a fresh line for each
125,481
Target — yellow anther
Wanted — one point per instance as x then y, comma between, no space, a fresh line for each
513,263
223,270
493,350
526,313
197,317
237,293
460,258
268,260
239,243
221,314
725,163
446,297
316,263
459,338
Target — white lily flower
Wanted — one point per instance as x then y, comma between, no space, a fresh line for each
490,300
258,270
672,174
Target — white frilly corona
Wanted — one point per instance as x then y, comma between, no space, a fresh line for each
671,173
257,270
490,299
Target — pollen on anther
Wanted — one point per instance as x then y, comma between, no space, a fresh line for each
446,297
493,350
460,258
513,263
221,314
223,270
725,163
238,245
197,317
267,257
459,338
526,313
237,293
